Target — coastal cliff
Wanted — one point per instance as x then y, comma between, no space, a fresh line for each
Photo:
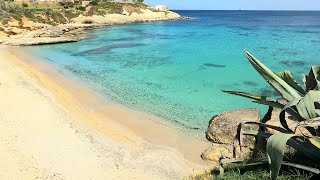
61,24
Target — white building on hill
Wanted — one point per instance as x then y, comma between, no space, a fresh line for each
161,8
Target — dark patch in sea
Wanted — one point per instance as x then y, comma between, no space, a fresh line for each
288,51
263,47
267,91
243,34
48,59
155,85
214,65
125,39
134,30
307,32
315,41
108,48
80,71
245,28
293,63
250,83
91,36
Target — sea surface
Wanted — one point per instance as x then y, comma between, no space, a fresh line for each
177,69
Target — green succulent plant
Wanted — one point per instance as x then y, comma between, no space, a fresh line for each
302,103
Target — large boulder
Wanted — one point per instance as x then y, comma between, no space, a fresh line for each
223,131
223,128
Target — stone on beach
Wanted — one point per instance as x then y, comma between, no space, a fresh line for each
216,151
223,130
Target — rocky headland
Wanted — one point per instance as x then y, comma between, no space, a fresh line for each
23,31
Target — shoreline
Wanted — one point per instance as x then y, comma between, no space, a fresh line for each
114,121
78,30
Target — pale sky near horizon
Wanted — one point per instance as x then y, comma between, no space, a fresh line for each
238,4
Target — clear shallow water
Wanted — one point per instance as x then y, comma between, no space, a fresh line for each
176,69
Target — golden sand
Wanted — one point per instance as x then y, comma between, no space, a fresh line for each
56,127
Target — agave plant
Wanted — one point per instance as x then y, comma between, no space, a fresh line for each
301,103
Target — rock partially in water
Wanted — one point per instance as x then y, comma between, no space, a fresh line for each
47,35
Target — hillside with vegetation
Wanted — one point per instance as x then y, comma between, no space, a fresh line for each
19,18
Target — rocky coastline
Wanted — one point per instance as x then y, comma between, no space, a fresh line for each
77,30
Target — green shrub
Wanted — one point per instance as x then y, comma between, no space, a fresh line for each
70,15
66,5
94,3
81,8
20,24
17,17
5,21
24,4
87,21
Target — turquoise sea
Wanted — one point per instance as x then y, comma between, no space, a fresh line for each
177,69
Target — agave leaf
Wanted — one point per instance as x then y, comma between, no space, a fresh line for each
274,80
264,120
306,106
310,123
258,98
304,80
241,127
288,78
307,168
257,133
275,150
315,141
292,103
296,142
277,128
283,121
313,79
289,109
268,115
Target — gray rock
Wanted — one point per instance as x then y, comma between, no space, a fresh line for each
223,128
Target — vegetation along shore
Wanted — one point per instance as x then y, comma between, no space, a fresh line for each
46,22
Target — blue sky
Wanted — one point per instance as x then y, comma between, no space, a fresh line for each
239,4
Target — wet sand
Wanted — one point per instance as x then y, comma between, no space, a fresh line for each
60,128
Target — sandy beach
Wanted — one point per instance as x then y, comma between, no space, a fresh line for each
55,128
